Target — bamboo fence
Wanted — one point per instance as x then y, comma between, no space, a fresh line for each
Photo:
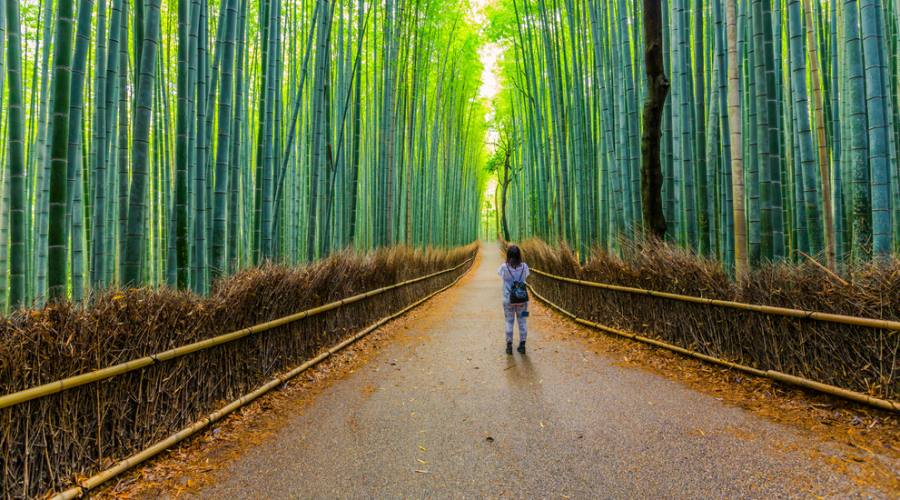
85,486
72,426
858,397
846,356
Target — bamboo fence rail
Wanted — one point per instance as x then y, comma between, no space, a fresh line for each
778,311
779,376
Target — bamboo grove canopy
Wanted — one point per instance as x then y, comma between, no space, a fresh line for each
165,141
779,135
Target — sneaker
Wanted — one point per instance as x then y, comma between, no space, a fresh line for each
509,348
521,348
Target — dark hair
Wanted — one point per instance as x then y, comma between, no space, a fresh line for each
513,256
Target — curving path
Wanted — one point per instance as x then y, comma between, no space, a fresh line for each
443,412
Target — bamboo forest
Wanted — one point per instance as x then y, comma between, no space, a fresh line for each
172,142
165,142
778,139
376,248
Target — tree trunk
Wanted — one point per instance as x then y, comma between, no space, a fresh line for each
657,90
505,188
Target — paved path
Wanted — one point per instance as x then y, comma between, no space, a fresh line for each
445,413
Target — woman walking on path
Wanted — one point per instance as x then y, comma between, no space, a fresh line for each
514,272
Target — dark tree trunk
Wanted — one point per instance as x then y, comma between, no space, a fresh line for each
505,188
658,89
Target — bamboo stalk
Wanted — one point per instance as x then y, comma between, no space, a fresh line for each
884,404
858,397
773,310
824,269
54,387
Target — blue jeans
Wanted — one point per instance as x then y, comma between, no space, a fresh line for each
511,312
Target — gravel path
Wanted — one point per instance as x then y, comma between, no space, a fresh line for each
443,412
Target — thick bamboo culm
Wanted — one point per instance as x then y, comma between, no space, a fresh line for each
777,311
96,480
772,374
136,364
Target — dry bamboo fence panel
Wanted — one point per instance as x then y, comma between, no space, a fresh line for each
47,442
856,354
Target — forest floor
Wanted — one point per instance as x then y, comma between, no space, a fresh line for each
431,406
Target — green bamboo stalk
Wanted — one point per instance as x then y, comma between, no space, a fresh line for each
140,144
872,33
855,108
810,216
99,139
16,152
74,215
57,258
219,264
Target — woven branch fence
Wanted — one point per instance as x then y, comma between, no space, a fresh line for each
48,442
858,358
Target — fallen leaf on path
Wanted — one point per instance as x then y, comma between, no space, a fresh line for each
420,471
423,448
423,462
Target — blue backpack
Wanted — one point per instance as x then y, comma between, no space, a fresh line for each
518,292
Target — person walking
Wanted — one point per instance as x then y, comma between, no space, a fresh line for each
514,272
